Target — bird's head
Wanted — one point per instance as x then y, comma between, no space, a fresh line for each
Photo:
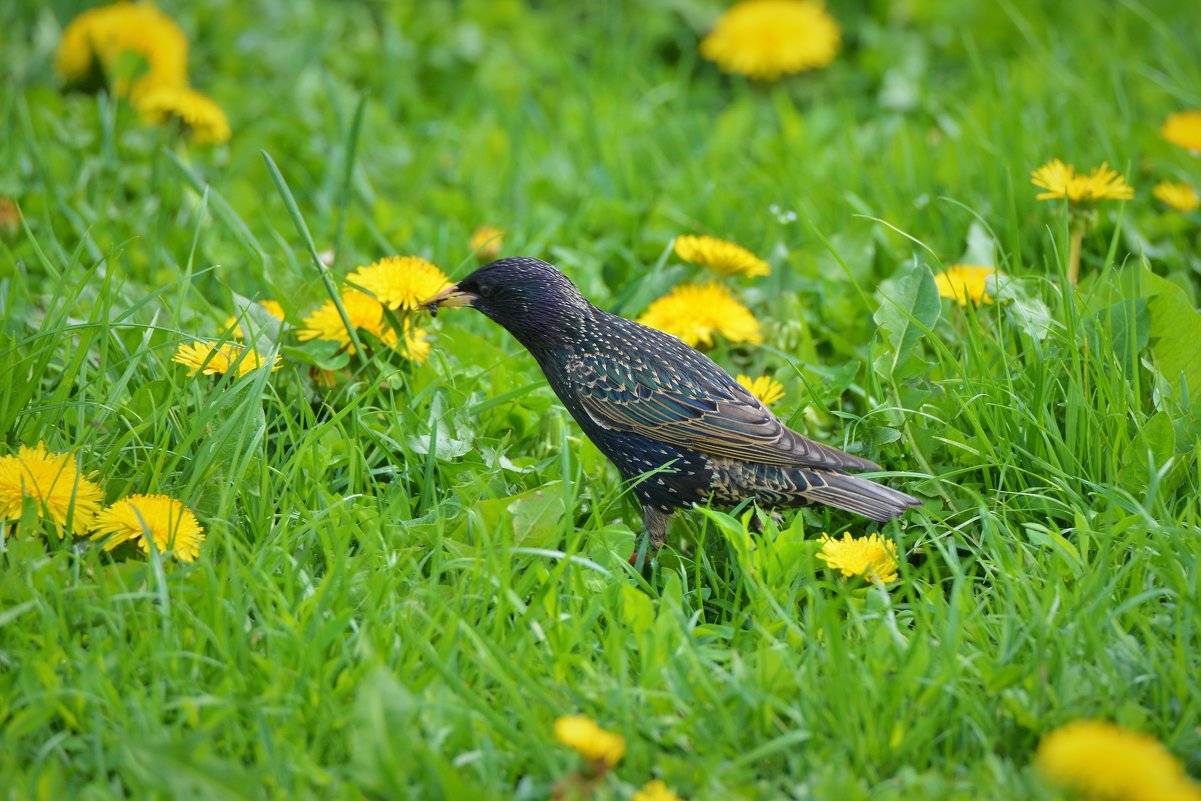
530,298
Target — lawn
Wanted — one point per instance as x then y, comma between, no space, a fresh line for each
414,563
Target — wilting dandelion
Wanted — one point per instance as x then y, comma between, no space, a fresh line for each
1082,192
1103,761
766,39
767,389
171,524
872,557
1179,196
720,256
53,481
212,359
1183,129
400,282
196,113
964,283
695,312
133,47
589,740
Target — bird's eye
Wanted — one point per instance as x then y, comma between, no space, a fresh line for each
485,290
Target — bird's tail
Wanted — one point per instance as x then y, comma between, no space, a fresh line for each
854,494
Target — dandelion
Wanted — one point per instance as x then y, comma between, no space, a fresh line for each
486,242
1184,129
364,313
695,312
1104,761
133,47
1061,181
212,359
965,282
1179,196
720,256
589,740
55,484
655,790
1082,192
400,282
765,39
871,557
415,345
171,524
767,389
201,118
273,308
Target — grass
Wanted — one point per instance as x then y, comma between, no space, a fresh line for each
409,577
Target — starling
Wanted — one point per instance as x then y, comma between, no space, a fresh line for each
677,426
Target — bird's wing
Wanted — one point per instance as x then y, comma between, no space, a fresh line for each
687,400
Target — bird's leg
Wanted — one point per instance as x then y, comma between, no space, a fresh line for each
655,523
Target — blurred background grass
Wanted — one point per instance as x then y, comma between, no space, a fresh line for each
407,579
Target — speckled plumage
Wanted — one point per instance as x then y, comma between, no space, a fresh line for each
677,426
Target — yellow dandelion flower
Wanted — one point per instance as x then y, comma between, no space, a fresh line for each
720,256
1184,129
582,735
220,359
273,308
767,389
400,282
695,312
201,118
964,282
486,242
133,46
765,39
364,313
1180,196
1061,181
172,525
1103,761
54,482
655,790
416,346
871,557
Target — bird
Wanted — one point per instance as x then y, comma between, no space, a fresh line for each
678,427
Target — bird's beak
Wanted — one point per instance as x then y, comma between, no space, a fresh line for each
451,296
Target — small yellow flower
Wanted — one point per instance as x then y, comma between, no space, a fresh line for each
1061,181
134,47
871,557
172,525
400,282
220,359
10,215
364,312
965,282
486,242
695,312
416,347
767,389
655,790
203,119
765,39
273,308
1103,761
720,256
54,482
589,740
1181,196
1184,129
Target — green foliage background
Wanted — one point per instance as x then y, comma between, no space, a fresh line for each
408,578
